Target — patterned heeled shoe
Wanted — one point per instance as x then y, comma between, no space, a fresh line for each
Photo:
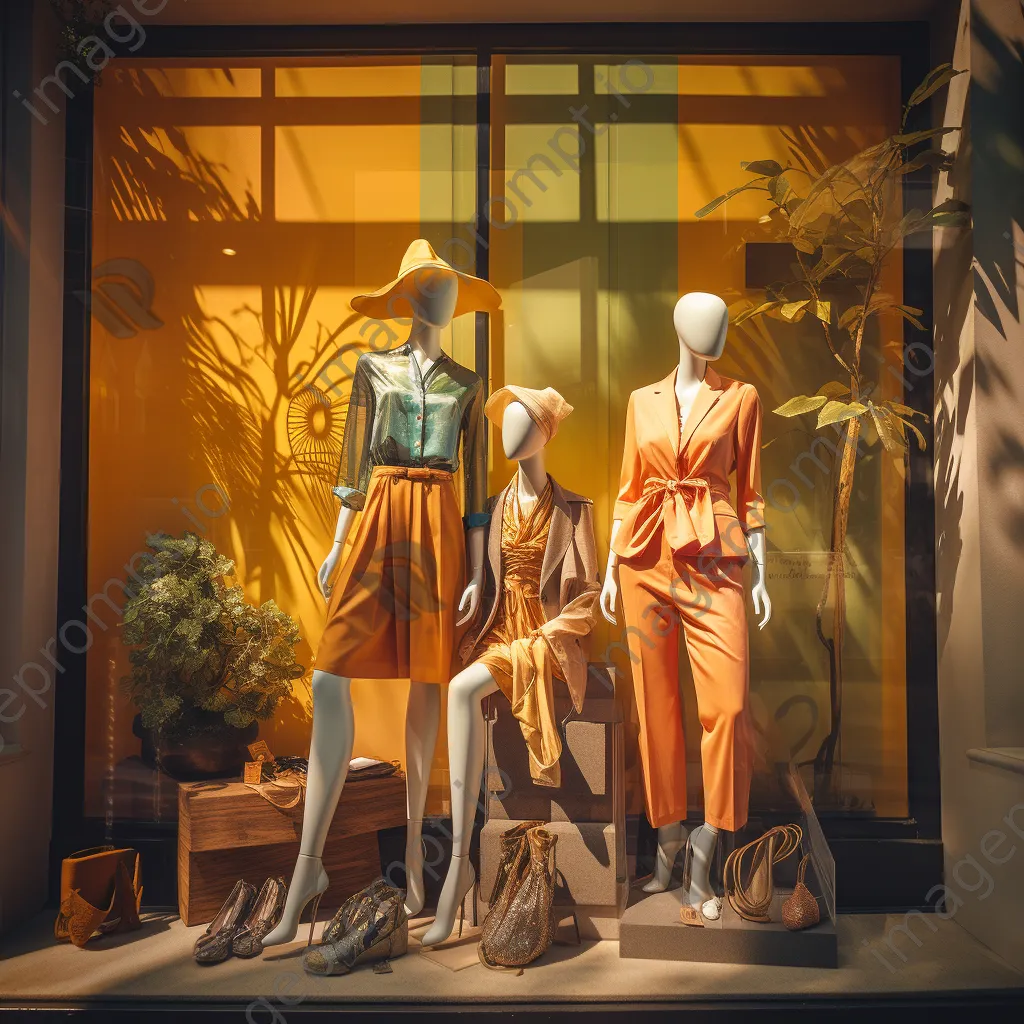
214,945
376,893
263,918
378,931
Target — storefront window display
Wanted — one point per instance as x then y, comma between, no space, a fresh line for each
509,533
237,209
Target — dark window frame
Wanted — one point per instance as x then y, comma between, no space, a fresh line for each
882,864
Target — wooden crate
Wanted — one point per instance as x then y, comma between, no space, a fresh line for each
227,831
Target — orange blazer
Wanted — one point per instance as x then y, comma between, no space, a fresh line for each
677,480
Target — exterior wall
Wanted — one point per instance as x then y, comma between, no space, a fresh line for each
979,476
32,284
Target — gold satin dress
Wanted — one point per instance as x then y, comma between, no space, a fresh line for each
514,650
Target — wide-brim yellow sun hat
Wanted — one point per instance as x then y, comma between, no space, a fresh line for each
388,303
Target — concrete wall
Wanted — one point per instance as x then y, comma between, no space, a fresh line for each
29,452
979,474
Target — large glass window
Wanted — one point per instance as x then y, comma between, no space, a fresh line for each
236,211
238,208
602,163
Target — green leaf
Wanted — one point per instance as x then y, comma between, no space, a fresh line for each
910,313
905,410
951,206
851,314
921,442
934,158
933,81
752,311
951,220
951,213
891,438
800,404
770,168
779,189
794,311
910,138
826,267
837,412
823,311
756,183
833,390
803,244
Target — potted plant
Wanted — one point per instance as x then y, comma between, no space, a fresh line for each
845,224
206,666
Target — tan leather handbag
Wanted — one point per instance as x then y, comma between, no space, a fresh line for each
520,924
100,892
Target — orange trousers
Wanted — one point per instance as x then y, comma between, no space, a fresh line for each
660,594
392,610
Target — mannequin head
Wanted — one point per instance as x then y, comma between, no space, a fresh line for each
701,321
432,292
521,437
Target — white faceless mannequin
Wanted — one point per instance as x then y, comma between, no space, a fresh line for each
701,321
523,442
432,294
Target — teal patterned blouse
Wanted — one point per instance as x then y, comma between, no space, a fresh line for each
398,416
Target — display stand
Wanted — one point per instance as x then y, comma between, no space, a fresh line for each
650,928
228,831
587,812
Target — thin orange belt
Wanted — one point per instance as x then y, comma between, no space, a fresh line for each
415,473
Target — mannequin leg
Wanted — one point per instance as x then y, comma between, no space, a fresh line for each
671,840
703,841
422,716
330,751
466,745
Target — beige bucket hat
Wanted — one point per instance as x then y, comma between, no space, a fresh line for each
547,408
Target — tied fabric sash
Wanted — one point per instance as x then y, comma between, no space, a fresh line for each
685,508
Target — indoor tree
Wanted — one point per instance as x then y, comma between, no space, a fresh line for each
845,223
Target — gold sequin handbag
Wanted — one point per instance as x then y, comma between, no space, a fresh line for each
800,908
520,925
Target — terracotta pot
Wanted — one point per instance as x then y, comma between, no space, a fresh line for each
215,751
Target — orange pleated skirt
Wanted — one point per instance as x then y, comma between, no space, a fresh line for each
392,611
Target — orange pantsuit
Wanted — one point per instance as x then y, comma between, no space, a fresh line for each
681,545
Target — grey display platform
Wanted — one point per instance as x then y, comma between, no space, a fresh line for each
650,929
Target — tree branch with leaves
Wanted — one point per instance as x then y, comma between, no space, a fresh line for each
845,224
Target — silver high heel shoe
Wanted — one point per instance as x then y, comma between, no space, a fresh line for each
710,907
438,932
667,856
289,925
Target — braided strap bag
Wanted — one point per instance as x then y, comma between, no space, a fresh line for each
749,871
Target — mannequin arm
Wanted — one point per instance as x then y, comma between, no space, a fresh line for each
610,590
758,592
333,559
470,603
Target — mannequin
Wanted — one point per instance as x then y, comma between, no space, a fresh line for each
523,442
433,293
701,322
536,626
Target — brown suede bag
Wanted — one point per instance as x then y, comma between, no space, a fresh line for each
100,892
